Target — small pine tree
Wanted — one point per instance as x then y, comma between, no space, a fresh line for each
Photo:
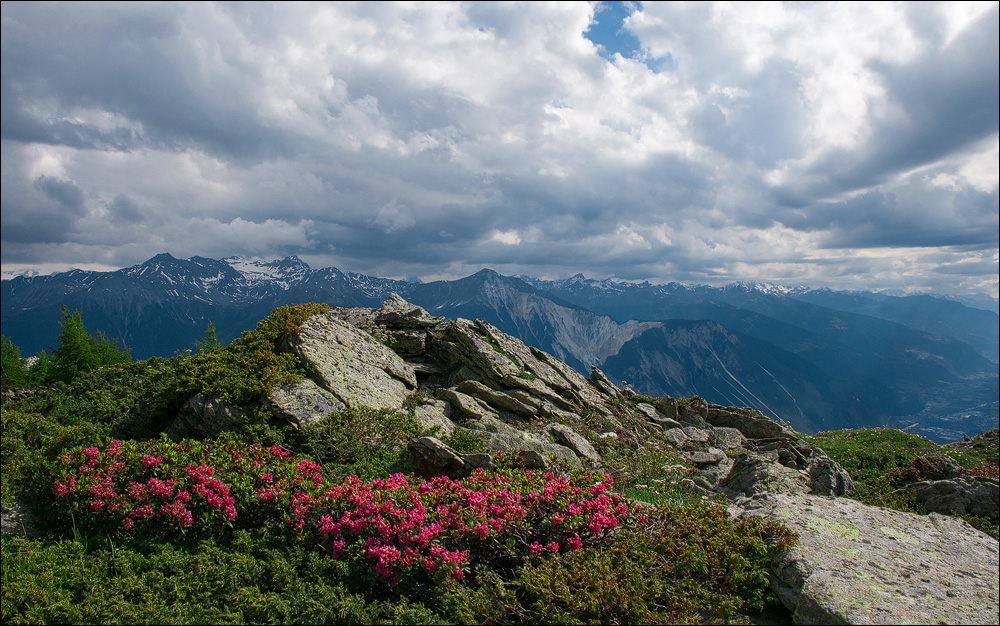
79,352
15,369
210,341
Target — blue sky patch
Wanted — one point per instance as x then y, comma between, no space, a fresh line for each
608,32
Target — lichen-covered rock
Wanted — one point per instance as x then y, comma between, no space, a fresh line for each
434,458
693,412
466,406
398,313
407,342
697,435
727,438
351,364
576,442
859,564
654,415
976,496
751,423
753,474
302,403
828,478
603,383
435,413
675,437
205,416
522,404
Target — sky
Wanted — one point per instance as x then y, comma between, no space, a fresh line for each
850,146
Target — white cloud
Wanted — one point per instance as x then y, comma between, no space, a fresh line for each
768,141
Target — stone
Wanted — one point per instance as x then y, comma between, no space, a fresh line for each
524,404
520,442
675,437
828,478
727,438
351,364
712,457
473,348
603,383
753,475
692,411
434,458
302,403
667,406
205,416
467,406
697,435
859,564
976,496
435,414
398,313
17,519
568,437
751,423
654,415
407,342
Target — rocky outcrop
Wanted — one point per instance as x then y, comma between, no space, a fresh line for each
351,364
976,496
859,564
302,403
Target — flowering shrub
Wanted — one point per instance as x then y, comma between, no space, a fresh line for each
396,527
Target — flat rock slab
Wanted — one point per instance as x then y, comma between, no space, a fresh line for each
859,564
352,365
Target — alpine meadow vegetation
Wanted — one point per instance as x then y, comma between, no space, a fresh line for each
328,523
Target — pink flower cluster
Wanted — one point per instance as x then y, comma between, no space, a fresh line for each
123,486
400,526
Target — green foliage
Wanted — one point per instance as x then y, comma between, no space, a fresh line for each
80,352
252,365
363,442
250,580
210,341
466,441
15,369
881,460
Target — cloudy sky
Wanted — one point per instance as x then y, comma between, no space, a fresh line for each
850,146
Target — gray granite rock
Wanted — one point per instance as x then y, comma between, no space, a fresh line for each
351,364
566,436
302,403
976,496
859,564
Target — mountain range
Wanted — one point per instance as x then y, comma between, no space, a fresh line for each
818,359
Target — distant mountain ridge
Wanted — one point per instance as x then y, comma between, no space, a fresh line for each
817,358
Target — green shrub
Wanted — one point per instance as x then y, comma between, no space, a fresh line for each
363,442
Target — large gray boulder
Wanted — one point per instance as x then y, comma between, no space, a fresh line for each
976,496
828,478
859,564
566,436
351,364
753,474
398,313
302,403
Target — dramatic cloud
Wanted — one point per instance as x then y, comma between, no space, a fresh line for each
851,146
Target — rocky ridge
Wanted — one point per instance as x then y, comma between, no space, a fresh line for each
468,376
